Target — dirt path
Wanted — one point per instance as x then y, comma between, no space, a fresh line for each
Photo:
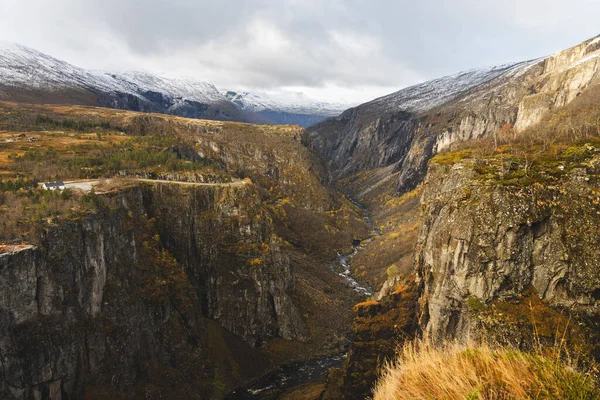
86,185
232,183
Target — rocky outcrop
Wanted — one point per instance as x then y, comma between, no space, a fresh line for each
225,243
399,133
565,75
513,261
116,302
508,261
484,244
379,328
61,299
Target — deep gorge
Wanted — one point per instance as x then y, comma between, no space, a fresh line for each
481,223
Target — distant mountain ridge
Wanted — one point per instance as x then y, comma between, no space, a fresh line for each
32,76
392,138
285,107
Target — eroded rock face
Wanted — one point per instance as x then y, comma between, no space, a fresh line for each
482,243
399,133
510,264
56,307
564,76
225,242
100,306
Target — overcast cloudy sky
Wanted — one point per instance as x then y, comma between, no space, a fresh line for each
353,50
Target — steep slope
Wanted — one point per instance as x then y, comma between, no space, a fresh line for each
490,251
393,137
507,250
102,296
29,75
285,107
508,244
202,265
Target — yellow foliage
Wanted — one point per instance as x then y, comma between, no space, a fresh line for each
459,371
255,262
365,304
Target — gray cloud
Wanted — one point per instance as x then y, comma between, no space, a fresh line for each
351,48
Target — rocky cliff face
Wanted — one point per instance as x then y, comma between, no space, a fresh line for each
152,102
510,261
101,305
225,243
397,134
482,244
563,77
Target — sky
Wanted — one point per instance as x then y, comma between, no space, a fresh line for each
350,51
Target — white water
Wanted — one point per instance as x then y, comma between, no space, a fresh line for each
344,260
272,385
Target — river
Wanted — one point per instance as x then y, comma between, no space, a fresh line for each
274,384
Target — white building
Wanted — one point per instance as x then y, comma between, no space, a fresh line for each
53,185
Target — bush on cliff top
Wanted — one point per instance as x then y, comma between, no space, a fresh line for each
481,372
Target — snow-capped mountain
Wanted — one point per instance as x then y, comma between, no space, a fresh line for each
288,102
433,93
23,66
180,88
31,76
393,137
394,118
285,107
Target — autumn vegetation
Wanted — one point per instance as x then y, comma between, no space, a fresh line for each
566,139
482,372
289,187
556,165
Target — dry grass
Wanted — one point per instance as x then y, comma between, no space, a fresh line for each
123,117
64,142
482,372
365,304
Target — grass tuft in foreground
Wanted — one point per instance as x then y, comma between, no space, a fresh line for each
482,372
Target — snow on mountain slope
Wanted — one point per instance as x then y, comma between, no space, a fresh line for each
24,67
284,102
430,94
185,88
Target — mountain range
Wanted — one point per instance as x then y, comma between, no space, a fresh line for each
211,260
393,137
31,76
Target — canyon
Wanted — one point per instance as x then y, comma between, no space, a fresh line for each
481,222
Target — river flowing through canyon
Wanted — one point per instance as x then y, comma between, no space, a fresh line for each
277,382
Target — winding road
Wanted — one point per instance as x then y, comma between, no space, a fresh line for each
86,185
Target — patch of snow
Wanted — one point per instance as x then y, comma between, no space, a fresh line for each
288,102
184,88
594,41
584,60
23,66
